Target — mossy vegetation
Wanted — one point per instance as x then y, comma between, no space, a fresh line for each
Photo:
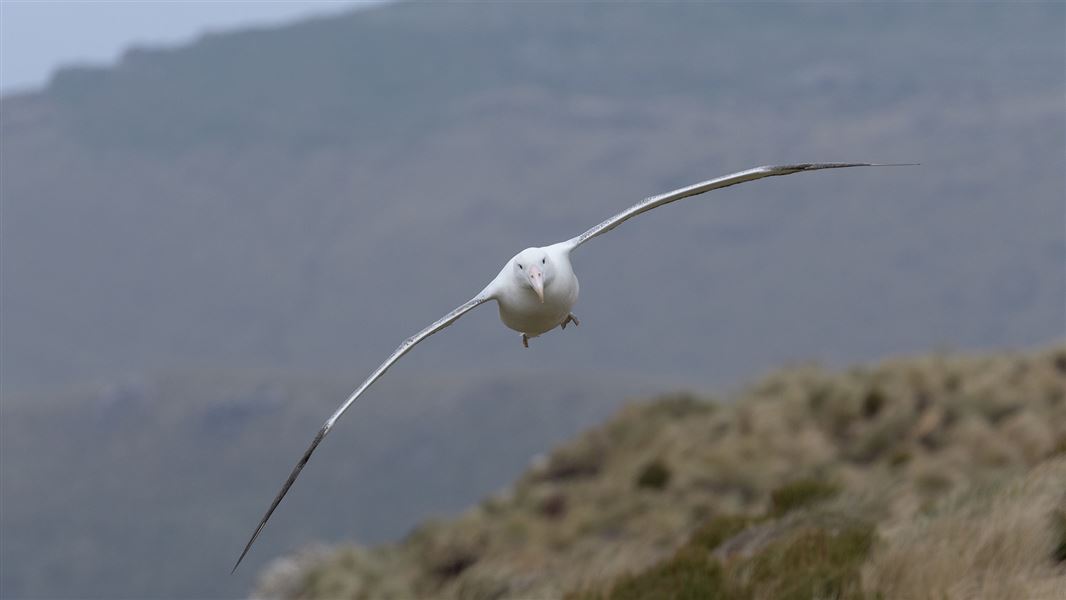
810,557
655,475
689,575
1058,525
810,563
719,529
801,493
940,475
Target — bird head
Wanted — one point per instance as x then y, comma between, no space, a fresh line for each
533,268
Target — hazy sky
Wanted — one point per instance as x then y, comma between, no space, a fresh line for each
36,36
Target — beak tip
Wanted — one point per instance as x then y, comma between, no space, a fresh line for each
537,283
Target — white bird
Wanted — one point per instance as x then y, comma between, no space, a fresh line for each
535,292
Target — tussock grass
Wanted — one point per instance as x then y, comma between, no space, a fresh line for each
936,477
979,542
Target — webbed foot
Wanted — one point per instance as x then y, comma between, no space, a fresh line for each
570,318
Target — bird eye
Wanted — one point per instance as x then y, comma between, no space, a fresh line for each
543,261
519,266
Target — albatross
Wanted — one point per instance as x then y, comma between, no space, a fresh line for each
535,292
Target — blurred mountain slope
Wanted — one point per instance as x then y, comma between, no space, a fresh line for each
148,487
304,197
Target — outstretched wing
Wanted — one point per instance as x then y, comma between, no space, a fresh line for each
706,186
404,348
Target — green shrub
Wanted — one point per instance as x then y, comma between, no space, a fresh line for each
873,403
900,457
1060,447
720,529
1058,522
654,476
810,563
689,575
801,493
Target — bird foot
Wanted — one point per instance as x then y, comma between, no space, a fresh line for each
571,318
525,340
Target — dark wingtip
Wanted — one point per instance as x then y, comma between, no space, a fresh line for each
818,166
284,490
238,563
247,547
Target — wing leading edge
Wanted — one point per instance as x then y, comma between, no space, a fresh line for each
404,348
706,186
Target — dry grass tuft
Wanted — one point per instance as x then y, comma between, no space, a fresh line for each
1002,543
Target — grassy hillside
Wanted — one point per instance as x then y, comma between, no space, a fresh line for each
934,477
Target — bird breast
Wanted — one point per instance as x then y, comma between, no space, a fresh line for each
522,311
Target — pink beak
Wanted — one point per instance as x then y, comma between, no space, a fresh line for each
536,279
